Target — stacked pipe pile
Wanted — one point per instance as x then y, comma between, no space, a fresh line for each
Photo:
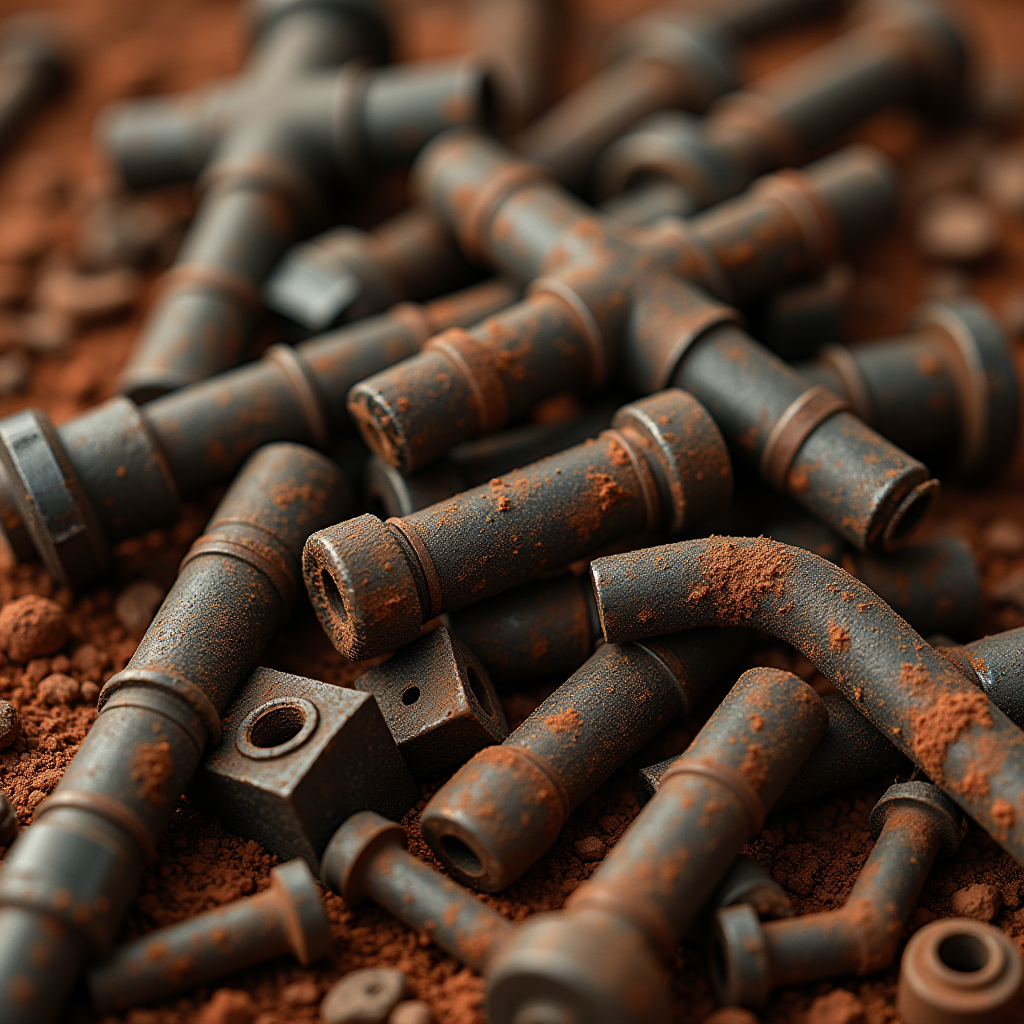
547,548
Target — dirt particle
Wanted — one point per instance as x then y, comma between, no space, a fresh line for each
590,848
836,1007
58,688
978,901
32,627
940,725
228,1006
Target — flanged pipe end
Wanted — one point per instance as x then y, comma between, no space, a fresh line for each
986,379
351,850
686,452
366,15
902,523
578,967
302,911
362,587
50,501
740,969
494,818
959,971
947,818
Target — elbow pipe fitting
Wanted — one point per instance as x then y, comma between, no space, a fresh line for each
367,860
69,493
374,584
286,918
502,809
70,877
597,960
913,821
948,390
907,689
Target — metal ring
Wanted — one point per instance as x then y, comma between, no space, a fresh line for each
791,190
408,531
644,475
106,807
239,287
243,734
484,203
288,361
262,559
840,359
476,364
736,782
588,325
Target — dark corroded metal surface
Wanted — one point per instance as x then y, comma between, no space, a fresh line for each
373,584
597,959
366,860
287,918
946,726
437,701
69,878
913,821
503,809
296,759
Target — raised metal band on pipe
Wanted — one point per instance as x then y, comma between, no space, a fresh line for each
587,324
792,428
476,363
263,559
726,776
475,222
294,370
793,190
426,564
106,807
644,477
840,359
237,286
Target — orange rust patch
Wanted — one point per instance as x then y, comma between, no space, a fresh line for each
941,725
151,767
838,638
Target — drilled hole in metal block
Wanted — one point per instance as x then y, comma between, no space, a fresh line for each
483,697
276,727
411,695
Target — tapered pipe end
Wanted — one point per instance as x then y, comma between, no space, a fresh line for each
351,850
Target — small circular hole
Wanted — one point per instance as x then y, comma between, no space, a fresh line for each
411,695
334,599
462,857
277,726
964,953
480,691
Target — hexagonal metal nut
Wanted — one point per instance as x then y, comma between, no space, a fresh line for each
296,759
438,702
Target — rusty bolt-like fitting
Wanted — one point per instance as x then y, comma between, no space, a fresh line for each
912,821
678,164
34,65
915,696
597,960
367,860
437,701
499,813
960,971
70,877
296,759
373,584
69,493
947,392
286,918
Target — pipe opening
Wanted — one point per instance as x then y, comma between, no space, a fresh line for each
480,691
410,696
964,953
909,514
277,726
462,857
334,599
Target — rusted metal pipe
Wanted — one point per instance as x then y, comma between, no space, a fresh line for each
367,859
909,51
286,918
373,584
499,812
912,821
598,960
949,729
947,391
269,176
995,664
70,877
69,493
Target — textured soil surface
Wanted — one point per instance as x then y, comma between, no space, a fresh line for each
50,181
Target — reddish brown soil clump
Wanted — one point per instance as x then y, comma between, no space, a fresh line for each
32,627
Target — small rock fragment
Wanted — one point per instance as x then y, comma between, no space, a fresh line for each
954,228
1003,537
228,1006
46,331
8,821
590,848
304,992
58,688
1001,179
32,627
732,1015
979,901
364,997
90,661
15,370
412,1011
87,298
136,605
10,724
89,692
836,1007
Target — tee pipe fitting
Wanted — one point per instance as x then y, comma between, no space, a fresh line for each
597,961
671,163
70,877
912,821
373,584
916,697
366,860
286,918
947,391
269,176
69,493
502,809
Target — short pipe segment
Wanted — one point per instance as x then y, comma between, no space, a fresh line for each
498,814
597,961
288,918
946,726
948,391
913,822
373,584
268,178
367,860
69,493
70,877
